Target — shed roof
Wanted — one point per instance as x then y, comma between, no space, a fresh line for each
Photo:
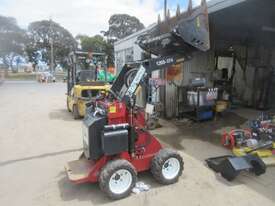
213,6
238,21
248,21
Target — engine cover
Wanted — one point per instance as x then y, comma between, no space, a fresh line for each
91,132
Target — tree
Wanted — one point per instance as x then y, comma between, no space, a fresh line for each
97,43
122,25
41,33
93,44
12,40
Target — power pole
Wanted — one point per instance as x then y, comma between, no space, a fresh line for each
165,10
51,44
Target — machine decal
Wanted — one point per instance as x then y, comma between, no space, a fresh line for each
112,109
140,74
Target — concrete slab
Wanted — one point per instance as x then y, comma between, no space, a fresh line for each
38,136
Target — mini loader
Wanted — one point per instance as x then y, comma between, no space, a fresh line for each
116,144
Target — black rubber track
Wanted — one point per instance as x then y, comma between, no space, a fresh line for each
109,170
159,160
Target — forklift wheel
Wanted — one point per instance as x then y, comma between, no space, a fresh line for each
167,166
117,179
151,124
75,112
68,108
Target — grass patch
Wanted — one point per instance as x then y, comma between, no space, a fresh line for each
23,76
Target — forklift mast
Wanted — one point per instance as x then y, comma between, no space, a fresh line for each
79,61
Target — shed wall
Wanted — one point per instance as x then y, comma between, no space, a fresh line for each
201,65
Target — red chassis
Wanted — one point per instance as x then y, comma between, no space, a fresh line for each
146,146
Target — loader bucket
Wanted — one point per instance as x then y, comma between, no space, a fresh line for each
182,34
230,166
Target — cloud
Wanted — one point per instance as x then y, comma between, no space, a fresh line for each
85,16
80,16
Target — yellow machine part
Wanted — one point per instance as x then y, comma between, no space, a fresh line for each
244,150
78,89
221,106
75,97
81,107
269,161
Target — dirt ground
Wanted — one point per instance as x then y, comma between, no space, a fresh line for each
38,136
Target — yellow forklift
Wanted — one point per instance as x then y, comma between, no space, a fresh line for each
83,81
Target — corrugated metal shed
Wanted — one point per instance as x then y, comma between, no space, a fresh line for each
232,23
201,65
217,5
127,47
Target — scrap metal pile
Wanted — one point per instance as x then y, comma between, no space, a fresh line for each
253,149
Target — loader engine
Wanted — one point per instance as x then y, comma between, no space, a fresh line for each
101,138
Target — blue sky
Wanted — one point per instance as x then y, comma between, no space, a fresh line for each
85,16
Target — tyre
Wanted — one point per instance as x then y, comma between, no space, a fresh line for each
75,112
151,124
117,179
68,107
167,166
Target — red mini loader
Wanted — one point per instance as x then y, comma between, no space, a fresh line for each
117,145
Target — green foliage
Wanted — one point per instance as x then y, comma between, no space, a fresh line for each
41,33
122,25
12,39
97,44
93,44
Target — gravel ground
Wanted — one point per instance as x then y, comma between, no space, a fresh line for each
38,136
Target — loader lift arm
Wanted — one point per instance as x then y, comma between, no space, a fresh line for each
173,40
132,75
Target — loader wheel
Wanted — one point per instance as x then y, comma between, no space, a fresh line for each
117,179
75,112
167,166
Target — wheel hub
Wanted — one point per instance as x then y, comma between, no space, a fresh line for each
171,168
117,177
120,181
